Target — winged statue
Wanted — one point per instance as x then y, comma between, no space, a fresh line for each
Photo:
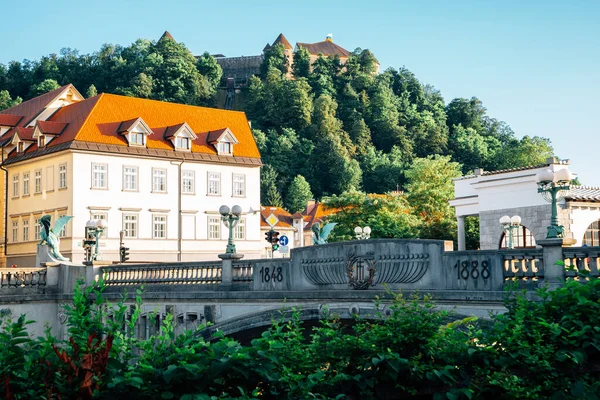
320,235
50,235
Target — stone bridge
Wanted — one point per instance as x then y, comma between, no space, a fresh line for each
342,278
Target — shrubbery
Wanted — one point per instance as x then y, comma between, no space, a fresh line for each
545,349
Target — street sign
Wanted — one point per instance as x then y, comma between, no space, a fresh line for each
284,249
283,240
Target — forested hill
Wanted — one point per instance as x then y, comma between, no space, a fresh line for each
335,127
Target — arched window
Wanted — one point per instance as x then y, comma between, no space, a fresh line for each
522,238
591,237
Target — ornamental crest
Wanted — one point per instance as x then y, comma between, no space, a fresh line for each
360,271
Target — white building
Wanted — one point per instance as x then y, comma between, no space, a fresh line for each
493,194
158,171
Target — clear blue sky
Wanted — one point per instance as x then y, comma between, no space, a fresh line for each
534,64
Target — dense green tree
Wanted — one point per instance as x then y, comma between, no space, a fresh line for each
298,194
91,91
274,57
468,113
430,188
382,172
388,216
43,87
527,151
333,169
269,194
208,67
6,101
301,66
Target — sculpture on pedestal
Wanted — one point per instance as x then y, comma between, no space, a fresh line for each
320,235
51,235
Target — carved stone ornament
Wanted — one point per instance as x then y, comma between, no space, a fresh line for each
360,271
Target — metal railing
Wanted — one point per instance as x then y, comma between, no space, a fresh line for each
524,266
22,277
163,274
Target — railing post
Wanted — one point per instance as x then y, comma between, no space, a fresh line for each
227,268
554,271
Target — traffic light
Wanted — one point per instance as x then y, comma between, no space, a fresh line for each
275,240
269,236
124,253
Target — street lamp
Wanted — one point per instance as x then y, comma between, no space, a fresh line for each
93,232
554,186
230,218
362,233
508,225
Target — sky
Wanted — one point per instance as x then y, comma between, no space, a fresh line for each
534,64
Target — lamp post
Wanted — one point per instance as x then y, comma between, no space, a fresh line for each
362,233
508,225
230,218
554,186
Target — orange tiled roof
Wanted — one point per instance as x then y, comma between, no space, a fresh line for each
281,39
25,133
326,48
31,108
316,212
284,217
99,118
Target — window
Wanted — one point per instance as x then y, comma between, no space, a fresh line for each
225,148
159,180
25,230
130,225
239,185
38,181
62,176
99,176
214,228
97,216
25,183
182,143
522,237
15,185
20,147
214,183
239,231
130,178
37,228
136,138
591,235
159,226
42,141
63,231
187,182
15,231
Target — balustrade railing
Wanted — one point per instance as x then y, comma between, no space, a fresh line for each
22,277
524,266
242,271
197,274
581,261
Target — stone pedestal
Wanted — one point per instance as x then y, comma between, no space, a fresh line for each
227,267
554,270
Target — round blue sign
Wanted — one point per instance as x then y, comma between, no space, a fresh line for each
283,240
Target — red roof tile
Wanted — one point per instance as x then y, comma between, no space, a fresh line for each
10,120
51,127
326,48
25,133
281,39
284,217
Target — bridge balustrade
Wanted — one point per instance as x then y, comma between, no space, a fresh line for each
22,277
525,266
581,261
206,273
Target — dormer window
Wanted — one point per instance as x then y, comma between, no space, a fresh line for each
181,136
41,141
136,138
225,148
223,140
20,147
136,131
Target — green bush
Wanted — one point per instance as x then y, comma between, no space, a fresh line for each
544,349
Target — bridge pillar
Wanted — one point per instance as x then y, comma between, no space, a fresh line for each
227,267
554,269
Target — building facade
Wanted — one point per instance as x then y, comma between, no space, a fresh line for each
156,171
491,195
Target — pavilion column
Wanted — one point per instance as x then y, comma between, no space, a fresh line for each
461,232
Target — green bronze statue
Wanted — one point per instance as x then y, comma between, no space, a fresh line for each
320,235
50,235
